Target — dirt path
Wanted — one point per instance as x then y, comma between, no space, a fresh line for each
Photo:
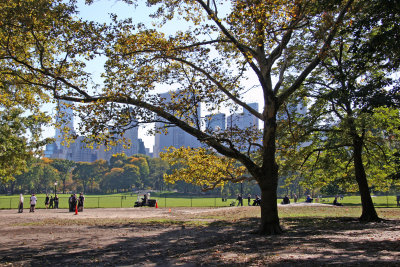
115,237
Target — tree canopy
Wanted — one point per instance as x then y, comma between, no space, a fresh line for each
208,59
20,140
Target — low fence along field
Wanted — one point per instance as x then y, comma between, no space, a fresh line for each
127,201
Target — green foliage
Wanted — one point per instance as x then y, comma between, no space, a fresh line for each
202,167
20,140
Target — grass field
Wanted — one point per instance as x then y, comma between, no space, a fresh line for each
128,200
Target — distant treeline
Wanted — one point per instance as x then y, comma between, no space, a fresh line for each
119,174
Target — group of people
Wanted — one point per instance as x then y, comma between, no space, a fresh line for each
52,202
76,203
256,201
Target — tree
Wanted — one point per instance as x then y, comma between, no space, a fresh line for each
157,168
346,88
208,62
202,167
88,172
16,146
64,167
143,167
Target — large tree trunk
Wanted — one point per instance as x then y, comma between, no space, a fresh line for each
368,209
268,178
269,209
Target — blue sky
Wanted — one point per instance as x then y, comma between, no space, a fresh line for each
100,11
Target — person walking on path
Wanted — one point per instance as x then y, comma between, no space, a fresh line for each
47,201
56,201
240,199
21,204
33,203
51,206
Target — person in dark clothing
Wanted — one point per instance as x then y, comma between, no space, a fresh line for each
336,203
74,202
56,202
80,202
47,201
70,203
286,200
309,199
51,202
257,201
398,200
240,200
248,199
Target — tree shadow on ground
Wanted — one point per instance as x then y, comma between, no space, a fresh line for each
305,242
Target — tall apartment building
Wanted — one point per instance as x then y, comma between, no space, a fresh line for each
216,122
77,151
242,121
175,136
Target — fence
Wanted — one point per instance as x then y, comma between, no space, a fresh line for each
11,202
164,201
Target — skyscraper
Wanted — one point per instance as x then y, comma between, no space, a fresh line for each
78,151
243,121
216,122
175,136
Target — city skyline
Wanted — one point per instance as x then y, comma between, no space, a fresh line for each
175,136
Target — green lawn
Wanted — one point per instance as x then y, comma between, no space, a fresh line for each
128,200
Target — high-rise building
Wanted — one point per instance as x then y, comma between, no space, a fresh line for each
175,137
243,121
65,124
78,151
216,122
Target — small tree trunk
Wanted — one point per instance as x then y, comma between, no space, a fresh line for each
368,209
63,181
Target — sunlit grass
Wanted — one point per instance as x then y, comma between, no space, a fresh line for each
127,200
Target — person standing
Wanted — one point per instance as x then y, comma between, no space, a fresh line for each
74,202
81,199
21,204
295,198
248,199
46,201
33,203
56,201
70,203
240,200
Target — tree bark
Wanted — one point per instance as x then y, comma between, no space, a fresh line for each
368,209
269,224
268,177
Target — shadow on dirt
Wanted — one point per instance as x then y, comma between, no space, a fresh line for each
325,241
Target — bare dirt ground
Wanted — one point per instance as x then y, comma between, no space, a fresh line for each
189,237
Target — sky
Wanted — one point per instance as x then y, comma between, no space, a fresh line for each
100,11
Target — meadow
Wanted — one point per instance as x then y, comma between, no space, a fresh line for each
165,201
314,235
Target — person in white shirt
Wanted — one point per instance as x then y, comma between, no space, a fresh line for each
21,203
33,203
